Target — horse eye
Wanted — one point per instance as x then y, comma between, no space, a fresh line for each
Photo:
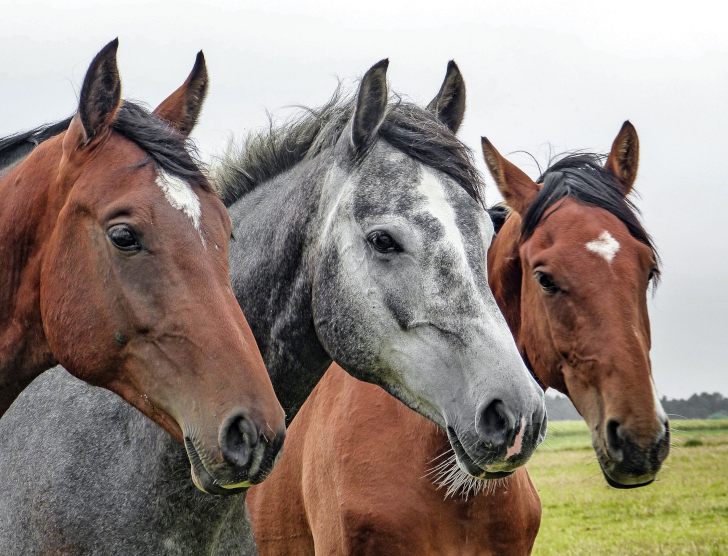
546,282
383,242
123,238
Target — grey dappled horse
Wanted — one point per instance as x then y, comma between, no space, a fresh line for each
360,237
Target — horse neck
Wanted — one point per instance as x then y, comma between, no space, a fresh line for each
272,276
28,214
506,281
505,273
506,278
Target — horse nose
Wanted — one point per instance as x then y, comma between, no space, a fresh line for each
239,438
623,450
496,424
615,441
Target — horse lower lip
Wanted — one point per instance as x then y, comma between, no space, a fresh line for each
466,463
203,480
615,484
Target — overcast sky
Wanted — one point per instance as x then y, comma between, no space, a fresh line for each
558,73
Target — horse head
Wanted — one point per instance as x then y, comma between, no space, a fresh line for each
135,294
400,291
571,268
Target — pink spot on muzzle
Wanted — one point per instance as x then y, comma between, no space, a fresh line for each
516,448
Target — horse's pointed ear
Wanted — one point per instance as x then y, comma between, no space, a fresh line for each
371,105
517,188
449,103
624,157
182,108
100,93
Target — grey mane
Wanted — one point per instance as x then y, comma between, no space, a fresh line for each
414,130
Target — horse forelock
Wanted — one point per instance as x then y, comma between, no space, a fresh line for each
583,177
173,153
411,129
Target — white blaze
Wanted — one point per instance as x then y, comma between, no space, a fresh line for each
604,246
441,209
180,195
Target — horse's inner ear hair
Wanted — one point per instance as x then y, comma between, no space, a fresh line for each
371,105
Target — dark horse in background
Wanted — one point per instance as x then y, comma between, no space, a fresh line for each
114,263
359,237
570,267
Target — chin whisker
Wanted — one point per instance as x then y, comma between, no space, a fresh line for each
448,475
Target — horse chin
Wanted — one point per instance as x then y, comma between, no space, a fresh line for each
468,466
615,479
640,482
202,478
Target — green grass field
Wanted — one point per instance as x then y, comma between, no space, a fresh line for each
685,512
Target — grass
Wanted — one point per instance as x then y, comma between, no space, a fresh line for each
685,512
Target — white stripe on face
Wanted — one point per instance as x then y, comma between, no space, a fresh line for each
180,195
440,209
605,246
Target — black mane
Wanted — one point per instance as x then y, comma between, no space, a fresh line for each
583,177
415,131
172,152
16,147
499,214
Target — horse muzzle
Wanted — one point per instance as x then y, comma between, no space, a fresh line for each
498,448
624,463
248,457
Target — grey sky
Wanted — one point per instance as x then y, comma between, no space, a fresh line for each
566,73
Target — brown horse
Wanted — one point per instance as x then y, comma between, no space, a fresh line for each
570,270
114,263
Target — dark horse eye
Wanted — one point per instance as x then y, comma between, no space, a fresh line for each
546,282
123,238
383,242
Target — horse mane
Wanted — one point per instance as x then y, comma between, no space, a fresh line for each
499,213
583,177
172,152
16,147
414,130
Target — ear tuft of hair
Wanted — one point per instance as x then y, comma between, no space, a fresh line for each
182,108
101,92
449,103
371,105
624,157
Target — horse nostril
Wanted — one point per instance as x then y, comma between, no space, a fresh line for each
495,425
614,440
238,439
662,446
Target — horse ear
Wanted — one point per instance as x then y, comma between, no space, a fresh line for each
624,157
100,93
182,108
517,188
371,105
449,103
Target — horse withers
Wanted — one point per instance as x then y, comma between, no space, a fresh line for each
115,264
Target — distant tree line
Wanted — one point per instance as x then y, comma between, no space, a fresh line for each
560,408
697,406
